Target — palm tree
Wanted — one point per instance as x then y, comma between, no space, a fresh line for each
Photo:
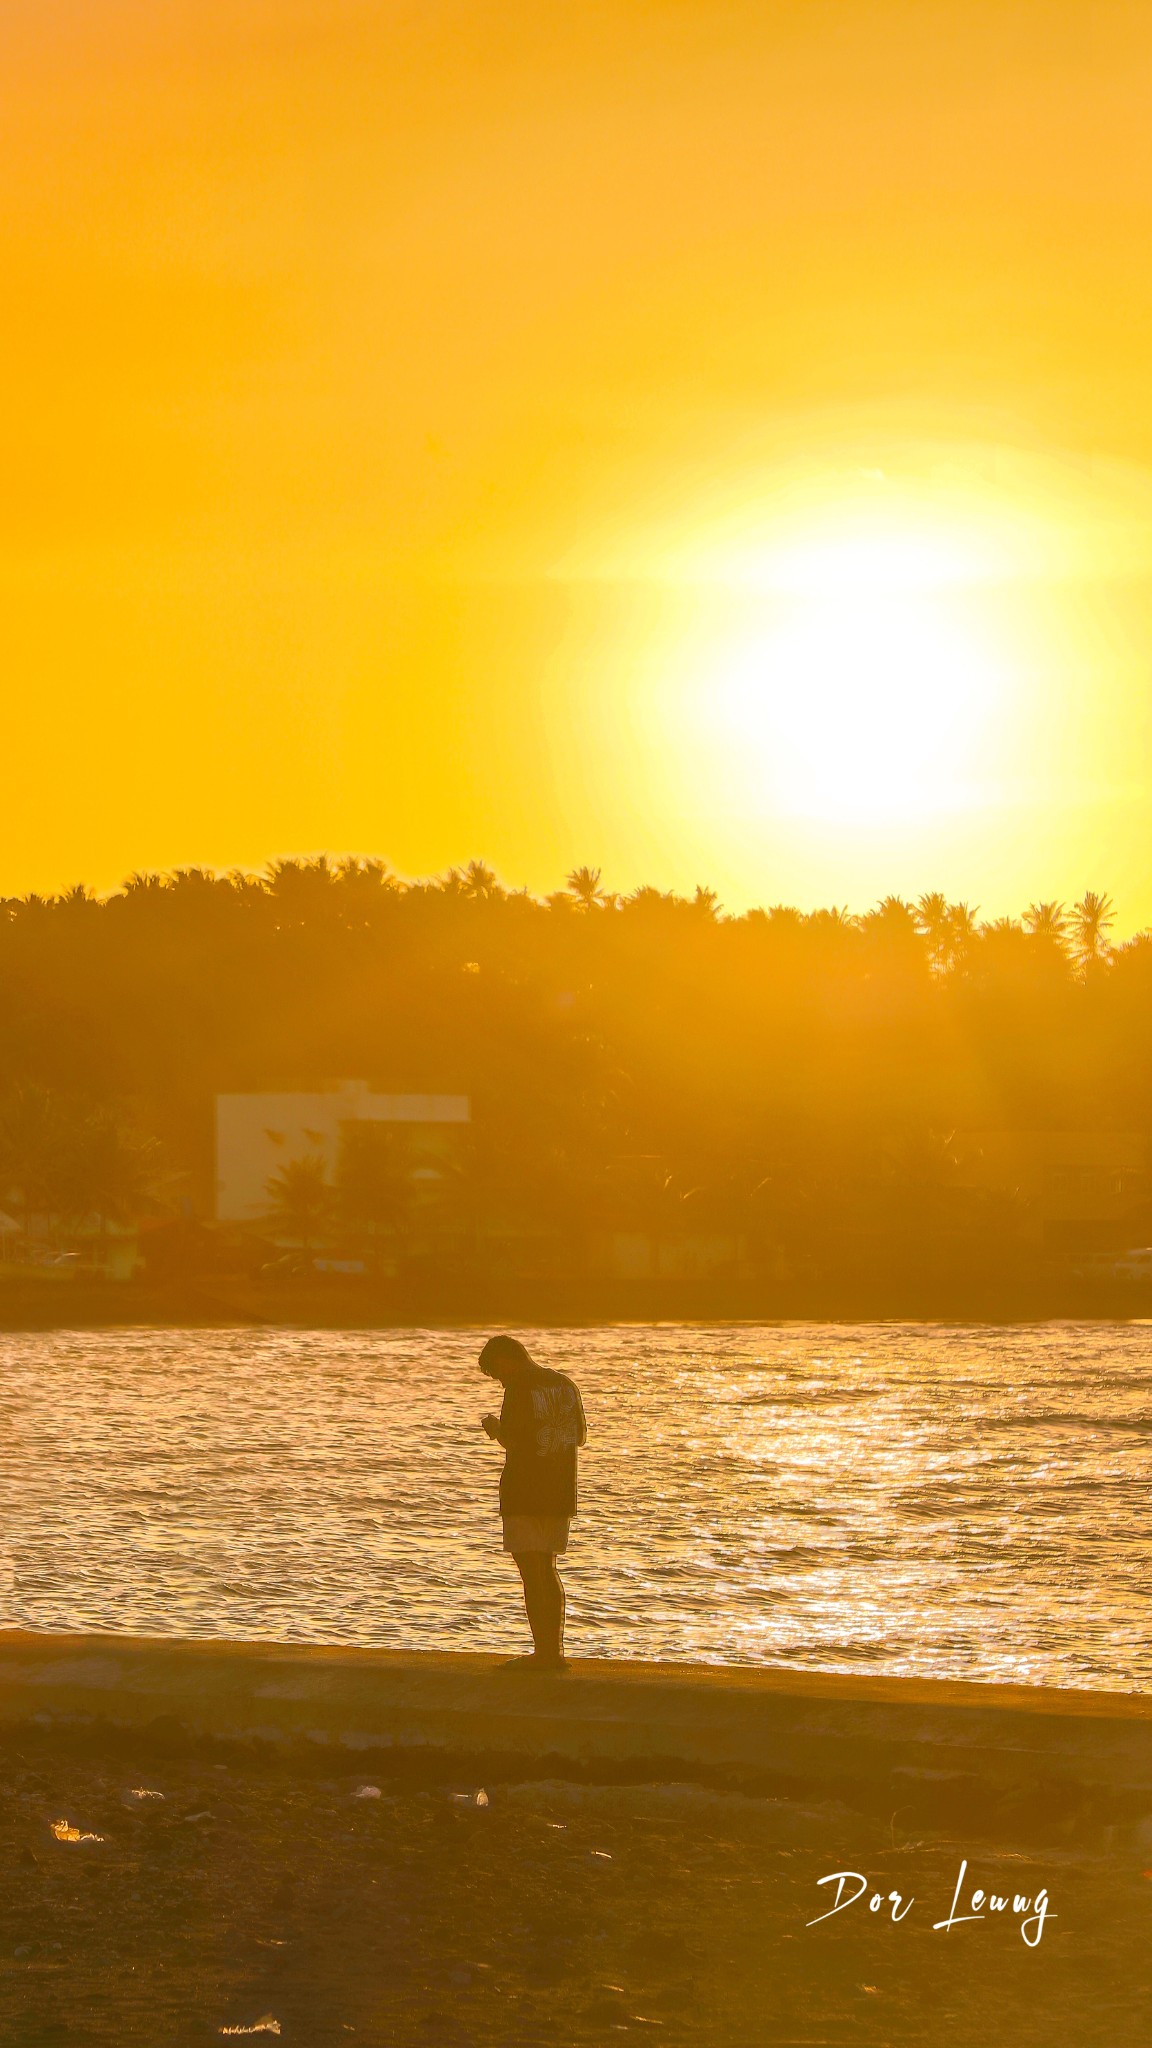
300,1198
648,898
78,899
783,917
584,884
107,1172
33,1152
120,1169
1003,942
835,920
303,891
706,903
963,928
59,1160
363,885
933,919
1046,921
480,882
1091,918
374,1179
892,920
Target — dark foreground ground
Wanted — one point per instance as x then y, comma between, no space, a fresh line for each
555,1913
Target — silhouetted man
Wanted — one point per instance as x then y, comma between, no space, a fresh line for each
541,1426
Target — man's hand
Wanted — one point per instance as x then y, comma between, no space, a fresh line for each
490,1424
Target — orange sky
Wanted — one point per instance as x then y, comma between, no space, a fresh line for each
377,379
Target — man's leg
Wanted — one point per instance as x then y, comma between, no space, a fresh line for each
543,1602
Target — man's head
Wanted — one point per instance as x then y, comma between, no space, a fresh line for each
503,1357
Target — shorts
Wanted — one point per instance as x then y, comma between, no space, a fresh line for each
536,1532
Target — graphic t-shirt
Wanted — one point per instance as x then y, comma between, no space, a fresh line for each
541,1428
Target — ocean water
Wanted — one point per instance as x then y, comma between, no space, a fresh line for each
962,1502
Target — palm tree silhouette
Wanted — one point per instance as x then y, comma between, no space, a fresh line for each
933,919
648,898
784,917
374,1180
63,1162
480,882
1091,918
108,1172
300,1198
584,884
1047,921
33,1151
963,927
892,920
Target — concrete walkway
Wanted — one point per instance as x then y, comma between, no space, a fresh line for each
878,1741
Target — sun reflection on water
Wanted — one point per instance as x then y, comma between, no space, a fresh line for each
965,1503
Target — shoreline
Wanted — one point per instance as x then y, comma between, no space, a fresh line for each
341,1305
940,1747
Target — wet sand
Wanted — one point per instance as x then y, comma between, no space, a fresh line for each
557,1912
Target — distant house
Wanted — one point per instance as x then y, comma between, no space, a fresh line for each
1073,1190
256,1135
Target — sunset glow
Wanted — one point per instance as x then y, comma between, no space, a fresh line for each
575,1021
734,438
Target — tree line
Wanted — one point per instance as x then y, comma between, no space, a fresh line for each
627,1056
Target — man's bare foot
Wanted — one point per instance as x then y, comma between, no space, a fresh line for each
534,1662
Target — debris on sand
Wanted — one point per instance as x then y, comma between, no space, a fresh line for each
137,1794
64,1832
403,1915
367,1792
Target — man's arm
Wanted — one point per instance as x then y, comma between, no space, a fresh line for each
515,1422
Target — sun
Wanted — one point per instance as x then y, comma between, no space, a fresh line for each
882,646
863,688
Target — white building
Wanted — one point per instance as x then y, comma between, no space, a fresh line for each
258,1134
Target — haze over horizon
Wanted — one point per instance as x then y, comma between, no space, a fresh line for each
713,442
